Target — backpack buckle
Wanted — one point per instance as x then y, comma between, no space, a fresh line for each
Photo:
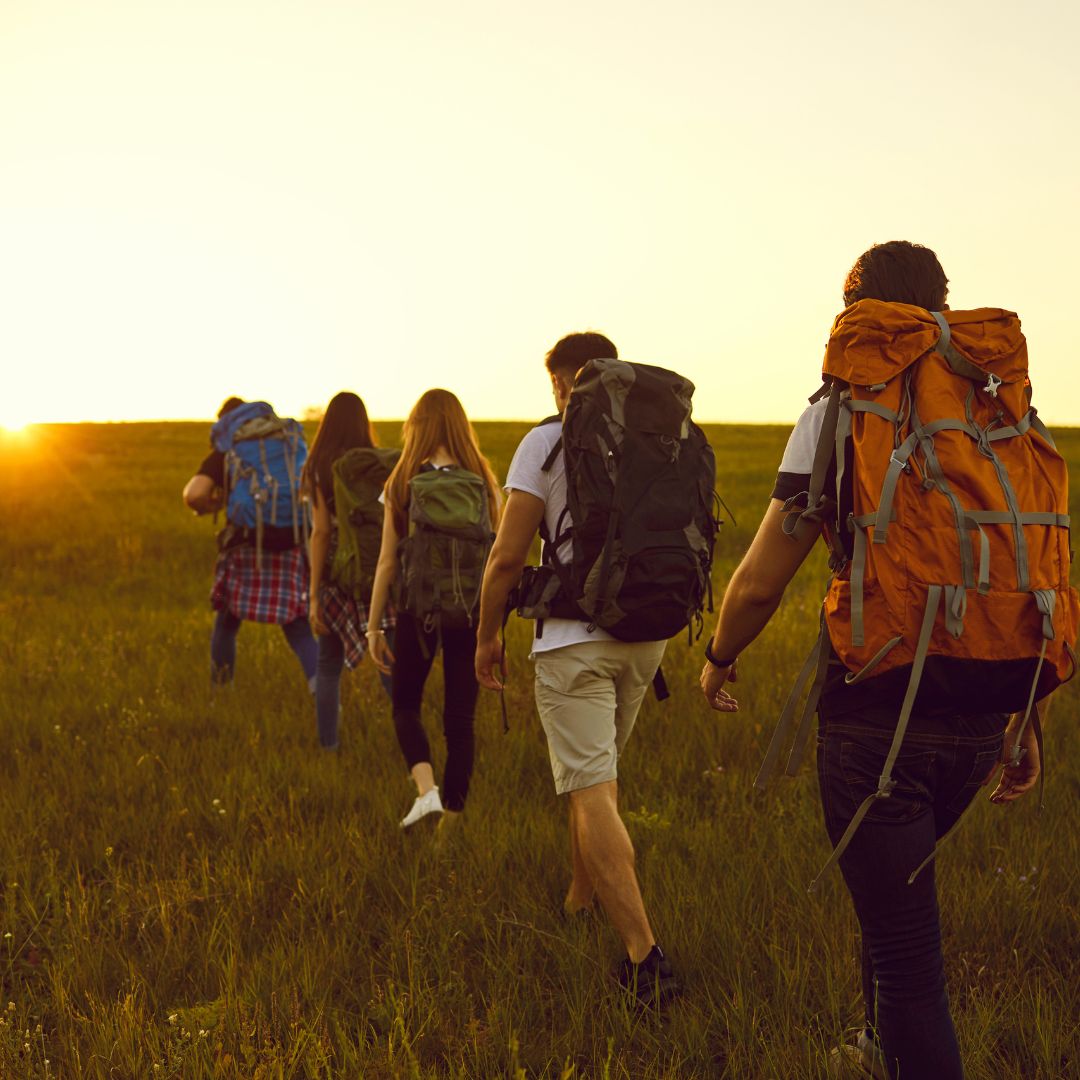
992,384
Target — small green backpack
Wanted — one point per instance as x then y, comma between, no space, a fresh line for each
359,477
443,557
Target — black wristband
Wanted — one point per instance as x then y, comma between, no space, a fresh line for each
712,659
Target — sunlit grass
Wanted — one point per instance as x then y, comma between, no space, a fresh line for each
189,883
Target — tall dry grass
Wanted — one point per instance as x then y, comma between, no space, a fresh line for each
190,888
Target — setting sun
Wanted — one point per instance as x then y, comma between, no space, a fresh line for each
13,425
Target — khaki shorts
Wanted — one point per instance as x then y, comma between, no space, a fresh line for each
588,696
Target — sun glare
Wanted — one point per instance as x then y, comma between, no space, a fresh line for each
12,426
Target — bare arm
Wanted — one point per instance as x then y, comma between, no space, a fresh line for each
520,520
753,594
202,496
318,547
386,571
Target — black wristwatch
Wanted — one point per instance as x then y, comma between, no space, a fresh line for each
712,659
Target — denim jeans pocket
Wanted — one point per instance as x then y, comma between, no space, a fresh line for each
982,765
861,764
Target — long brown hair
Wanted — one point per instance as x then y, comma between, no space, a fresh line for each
344,425
438,420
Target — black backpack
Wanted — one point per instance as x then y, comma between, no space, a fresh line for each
639,491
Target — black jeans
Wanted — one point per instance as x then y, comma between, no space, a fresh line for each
414,652
942,764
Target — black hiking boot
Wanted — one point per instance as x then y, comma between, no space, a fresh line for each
652,983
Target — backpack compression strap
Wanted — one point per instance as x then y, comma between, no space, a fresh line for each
885,782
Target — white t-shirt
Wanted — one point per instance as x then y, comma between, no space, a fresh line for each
527,474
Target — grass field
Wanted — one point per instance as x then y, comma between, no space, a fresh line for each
190,888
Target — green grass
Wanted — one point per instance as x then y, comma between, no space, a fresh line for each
191,889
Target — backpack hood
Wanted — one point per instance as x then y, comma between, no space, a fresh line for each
872,341
223,433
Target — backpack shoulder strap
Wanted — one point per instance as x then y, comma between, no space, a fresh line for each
557,448
550,460
818,504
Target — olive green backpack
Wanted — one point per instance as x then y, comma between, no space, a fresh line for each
359,477
443,557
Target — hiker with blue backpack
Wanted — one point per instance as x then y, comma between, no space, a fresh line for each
253,473
619,484
442,503
343,478
944,507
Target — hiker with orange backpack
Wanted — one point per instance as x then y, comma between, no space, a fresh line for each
252,473
944,506
343,478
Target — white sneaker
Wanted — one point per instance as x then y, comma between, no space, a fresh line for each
429,803
863,1056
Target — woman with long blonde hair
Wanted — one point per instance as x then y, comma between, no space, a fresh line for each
442,506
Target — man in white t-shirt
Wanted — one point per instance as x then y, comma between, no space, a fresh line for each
589,688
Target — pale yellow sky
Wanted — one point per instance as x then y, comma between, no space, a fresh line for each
284,199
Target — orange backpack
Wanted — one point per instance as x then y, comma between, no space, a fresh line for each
960,523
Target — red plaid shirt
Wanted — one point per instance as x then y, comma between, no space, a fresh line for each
276,594
347,617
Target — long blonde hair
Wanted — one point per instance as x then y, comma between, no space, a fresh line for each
438,420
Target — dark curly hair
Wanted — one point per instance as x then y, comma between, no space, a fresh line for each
898,272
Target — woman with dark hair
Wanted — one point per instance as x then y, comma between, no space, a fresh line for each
338,616
903,750
260,575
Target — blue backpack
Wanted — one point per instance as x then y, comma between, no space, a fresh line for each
264,456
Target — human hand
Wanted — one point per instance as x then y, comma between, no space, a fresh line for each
490,658
713,679
1017,780
379,648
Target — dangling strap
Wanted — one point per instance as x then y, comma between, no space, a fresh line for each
1045,599
256,497
858,575
806,724
787,717
885,782
853,677
1036,727
955,609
